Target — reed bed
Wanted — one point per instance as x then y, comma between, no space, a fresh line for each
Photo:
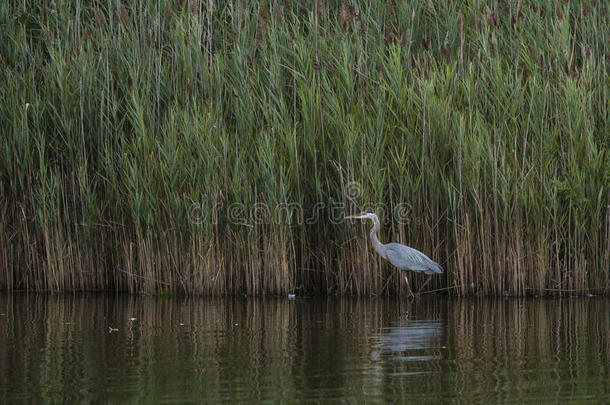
206,147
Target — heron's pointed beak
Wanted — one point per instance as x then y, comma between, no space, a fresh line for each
353,217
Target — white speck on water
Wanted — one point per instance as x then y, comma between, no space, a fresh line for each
132,319
111,329
291,296
235,324
181,324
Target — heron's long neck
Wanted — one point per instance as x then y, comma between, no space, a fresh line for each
376,244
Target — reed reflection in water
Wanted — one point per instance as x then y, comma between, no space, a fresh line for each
67,349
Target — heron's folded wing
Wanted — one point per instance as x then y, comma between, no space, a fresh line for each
407,258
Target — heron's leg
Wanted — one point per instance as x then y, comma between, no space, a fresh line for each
409,292
423,285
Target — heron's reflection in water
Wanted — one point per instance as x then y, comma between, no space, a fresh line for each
412,346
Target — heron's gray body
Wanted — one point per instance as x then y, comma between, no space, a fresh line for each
407,258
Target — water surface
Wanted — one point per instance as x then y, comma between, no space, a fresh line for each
100,348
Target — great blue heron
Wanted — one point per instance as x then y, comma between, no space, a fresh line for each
401,256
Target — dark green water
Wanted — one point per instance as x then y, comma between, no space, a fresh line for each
60,349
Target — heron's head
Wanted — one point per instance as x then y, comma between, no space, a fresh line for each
363,215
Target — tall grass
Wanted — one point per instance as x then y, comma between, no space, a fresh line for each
160,138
